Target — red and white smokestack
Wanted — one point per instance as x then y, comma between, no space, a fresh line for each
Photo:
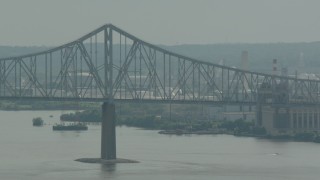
275,67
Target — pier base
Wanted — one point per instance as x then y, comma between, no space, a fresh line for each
108,132
104,161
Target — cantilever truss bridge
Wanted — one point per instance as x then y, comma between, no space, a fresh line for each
111,64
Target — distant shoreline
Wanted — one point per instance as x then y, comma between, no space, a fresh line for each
302,137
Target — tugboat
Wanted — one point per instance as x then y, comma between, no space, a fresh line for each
37,121
70,127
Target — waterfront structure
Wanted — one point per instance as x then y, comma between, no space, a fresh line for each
286,120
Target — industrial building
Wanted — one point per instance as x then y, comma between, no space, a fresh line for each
289,120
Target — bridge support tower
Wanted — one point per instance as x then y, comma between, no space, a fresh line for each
108,131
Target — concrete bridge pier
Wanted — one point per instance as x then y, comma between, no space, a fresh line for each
108,132
108,138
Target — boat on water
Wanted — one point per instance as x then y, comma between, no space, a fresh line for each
38,121
70,127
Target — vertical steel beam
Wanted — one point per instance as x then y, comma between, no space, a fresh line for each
170,88
51,85
96,62
140,72
120,64
222,82
15,77
108,61
199,84
46,75
164,76
193,80
20,78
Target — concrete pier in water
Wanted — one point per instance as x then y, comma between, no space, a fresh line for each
108,138
108,131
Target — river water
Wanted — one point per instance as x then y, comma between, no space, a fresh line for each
38,153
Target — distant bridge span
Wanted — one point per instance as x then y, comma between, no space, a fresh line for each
109,64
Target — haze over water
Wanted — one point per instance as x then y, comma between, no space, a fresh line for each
38,153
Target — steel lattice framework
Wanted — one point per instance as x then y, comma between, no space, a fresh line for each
110,64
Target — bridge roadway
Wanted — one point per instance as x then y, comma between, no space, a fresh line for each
110,65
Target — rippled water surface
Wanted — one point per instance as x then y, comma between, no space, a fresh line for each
38,153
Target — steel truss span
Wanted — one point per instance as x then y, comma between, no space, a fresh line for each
110,64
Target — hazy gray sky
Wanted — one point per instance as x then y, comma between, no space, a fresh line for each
54,22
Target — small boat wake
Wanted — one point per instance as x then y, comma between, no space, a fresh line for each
273,154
